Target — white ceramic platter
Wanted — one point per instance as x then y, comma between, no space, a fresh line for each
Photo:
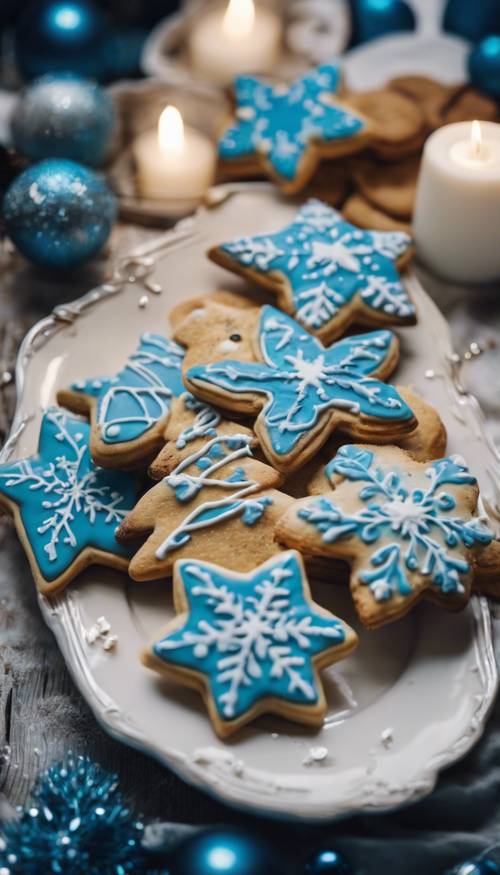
415,695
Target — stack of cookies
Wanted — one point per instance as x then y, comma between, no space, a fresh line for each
257,446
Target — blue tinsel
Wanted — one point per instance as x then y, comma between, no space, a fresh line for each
77,822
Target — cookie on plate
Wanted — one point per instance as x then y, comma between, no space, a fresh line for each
397,123
390,188
300,391
327,273
285,131
358,210
251,643
66,509
406,528
444,104
215,500
129,411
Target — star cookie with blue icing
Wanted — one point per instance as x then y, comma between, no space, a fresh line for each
66,509
251,643
327,273
214,499
129,410
407,529
300,390
285,131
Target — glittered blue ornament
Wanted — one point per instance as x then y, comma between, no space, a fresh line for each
475,867
472,21
64,116
62,35
59,213
376,18
76,822
328,862
225,852
484,66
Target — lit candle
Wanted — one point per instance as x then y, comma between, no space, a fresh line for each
457,209
174,163
240,38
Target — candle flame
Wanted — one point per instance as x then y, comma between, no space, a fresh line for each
171,131
239,18
476,137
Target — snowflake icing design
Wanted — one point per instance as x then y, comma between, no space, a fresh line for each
66,502
327,263
426,537
252,636
281,122
302,379
218,452
134,400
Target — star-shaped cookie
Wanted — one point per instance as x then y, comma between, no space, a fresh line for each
250,643
406,528
129,410
327,273
66,509
303,391
286,130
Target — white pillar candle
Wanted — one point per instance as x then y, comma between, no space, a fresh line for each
457,208
174,163
238,38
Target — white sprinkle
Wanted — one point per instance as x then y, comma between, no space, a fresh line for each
143,302
110,642
315,755
92,634
430,374
103,625
387,738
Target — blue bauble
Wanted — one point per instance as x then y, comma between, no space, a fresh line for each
59,213
328,862
475,867
225,852
484,66
472,20
63,116
376,18
67,35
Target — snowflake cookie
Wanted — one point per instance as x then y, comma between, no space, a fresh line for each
326,272
286,130
250,643
214,499
129,411
301,390
406,528
66,509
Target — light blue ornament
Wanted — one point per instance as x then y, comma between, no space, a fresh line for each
62,35
484,65
375,18
59,213
227,851
328,862
472,21
63,116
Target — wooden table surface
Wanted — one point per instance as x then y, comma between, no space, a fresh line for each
42,715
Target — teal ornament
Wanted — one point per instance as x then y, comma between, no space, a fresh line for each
76,821
472,21
475,867
64,116
62,35
59,213
226,852
375,18
328,862
484,65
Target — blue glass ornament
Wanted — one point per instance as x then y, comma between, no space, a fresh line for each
225,852
328,862
376,18
59,213
77,822
64,116
472,21
475,867
484,66
62,35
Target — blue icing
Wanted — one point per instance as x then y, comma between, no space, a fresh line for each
66,502
326,262
133,401
251,638
392,506
281,122
302,379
